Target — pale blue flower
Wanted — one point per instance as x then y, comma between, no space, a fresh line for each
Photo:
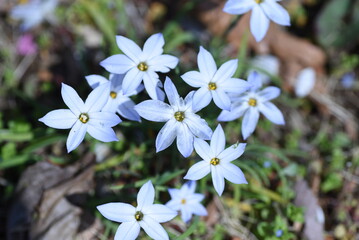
117,101
34,12
252,103
217,161
305,82
213,83
146,215
138,65
187,201
181,120
84,117
262,12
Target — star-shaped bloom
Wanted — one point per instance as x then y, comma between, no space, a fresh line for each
117,101
146,215
34,12
262,12
252,103
138,65
217,161
186,201
84,117
213,83
181,120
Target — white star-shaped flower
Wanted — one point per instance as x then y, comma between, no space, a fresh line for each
186,201
117,101
181,120
34,12
217,160
146,215
252,103
213,83
262,12
138,65
84,117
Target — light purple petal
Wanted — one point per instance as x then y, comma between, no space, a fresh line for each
104,134
127,110
118,64
269,93
201,98
153,46
198,126
199,210
198,170
233,173
217,179
103,119
174,192
238,6
153,228
206,64
76,136
129,47
202,149
236,112
195,79
255,81
72,99
186,213
184,140
60,119
270,111
218,141
151,85
159,212
221,99
249,122
276,12
259,23
232,153
118,212
225,71
132,80
234,85
145,196
128,231
97,99
95,80
154,110
163,63
167,135
171,92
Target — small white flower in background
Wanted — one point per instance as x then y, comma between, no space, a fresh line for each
268,63
305,82
138,65
181,120
213,83
117,101
262,12
217,161
146,215
34,12
252,103
187,201
83,117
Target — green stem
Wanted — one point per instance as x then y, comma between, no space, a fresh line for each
190,230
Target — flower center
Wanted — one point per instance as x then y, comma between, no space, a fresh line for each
84,117
142,66
252,102
259,1
113,94
212,86
179,116
214,161
183,201
138,216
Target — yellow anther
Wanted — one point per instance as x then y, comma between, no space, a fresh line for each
138,216
183,201
252,102
259,1
214,161
84,117
113,94
142,66
212,86
179,116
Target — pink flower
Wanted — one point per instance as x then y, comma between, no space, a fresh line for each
25,45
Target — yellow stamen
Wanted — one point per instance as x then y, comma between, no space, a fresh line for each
138,216
259,1
84,117
113,94
142,66
212,86
179,116
252,102
183,201
214,161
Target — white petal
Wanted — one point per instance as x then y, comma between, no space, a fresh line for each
159,212
218,141
198,170
174,204
206,64
72,99
145,196
271,112
232,153
198,126
163,63
154,110
191,186
217,179
166,136
249,122
269,93
194,198
104,134
276,13
76,136
199,210
221,99
171,92
233,173
201,98
259,23
151,85
153,228
132,80
202,149
225,71
234,85
127,110
95,80
236,112
255,81
118,64
195,79
305,82
238,6
128,231
153,46
97,99
174,193
129,47
184,140
118,212
60,119
186,214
